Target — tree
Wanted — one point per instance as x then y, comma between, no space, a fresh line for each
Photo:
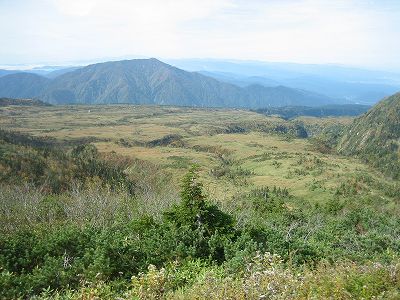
195,211
206,222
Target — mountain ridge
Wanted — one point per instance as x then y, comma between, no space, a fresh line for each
356,85
151,81
22,85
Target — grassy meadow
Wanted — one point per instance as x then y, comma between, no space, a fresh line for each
93,207
244,142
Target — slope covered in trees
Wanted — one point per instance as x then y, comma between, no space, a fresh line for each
375,136
289,112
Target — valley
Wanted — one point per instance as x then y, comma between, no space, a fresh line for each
112,187
237,150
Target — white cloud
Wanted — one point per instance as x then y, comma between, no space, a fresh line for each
351,32
75,7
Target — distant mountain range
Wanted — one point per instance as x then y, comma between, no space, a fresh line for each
22,85
46,71
353,84
149,81
7,72
337,83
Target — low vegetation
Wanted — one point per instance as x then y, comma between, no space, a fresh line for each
168,205
22,102
290,112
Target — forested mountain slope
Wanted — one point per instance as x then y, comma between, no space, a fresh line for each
375,136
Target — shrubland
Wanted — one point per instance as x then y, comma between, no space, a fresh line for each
80,223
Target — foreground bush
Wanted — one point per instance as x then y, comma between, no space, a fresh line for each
266,277
65,254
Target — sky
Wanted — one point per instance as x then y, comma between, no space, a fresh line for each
349,32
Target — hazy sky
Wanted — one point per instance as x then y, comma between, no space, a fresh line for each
356,32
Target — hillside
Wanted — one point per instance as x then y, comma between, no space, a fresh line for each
22,85
60,71
375,136
7,72
136,81
335,110
21,102
150,81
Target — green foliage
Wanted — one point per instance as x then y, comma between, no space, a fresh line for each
25,159
269,200
267,277
63,242
195,214
327,140
375,137
192,209
36,258
289,112
193,238
89,164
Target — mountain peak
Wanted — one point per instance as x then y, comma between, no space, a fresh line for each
151,81
155,60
